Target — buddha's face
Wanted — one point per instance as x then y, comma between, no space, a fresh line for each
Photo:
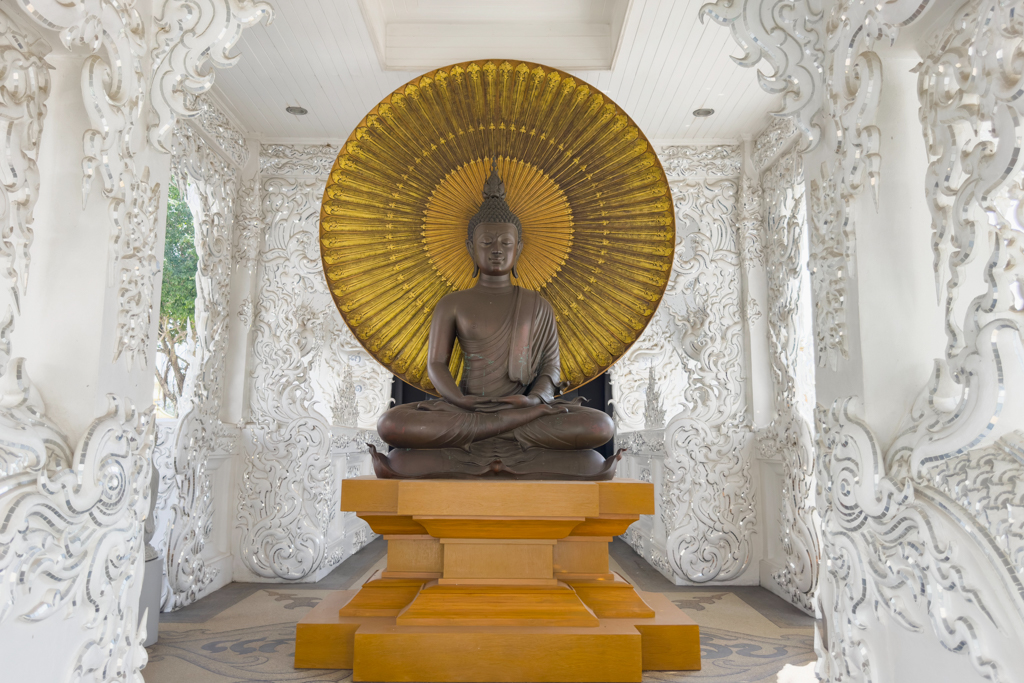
495,247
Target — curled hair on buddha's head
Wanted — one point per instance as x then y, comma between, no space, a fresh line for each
494,208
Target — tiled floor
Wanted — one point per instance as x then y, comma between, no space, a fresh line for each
246,632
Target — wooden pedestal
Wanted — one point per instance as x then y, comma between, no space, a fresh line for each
497,581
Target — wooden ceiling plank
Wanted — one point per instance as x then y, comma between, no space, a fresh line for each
319,54
626,66
688,96
673,63
649,58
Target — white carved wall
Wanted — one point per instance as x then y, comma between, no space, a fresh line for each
314,395
76,465
683,383
200,443
921,573
785,446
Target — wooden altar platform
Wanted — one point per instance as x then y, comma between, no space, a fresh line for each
480,586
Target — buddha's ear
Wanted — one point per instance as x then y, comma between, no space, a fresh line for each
469,246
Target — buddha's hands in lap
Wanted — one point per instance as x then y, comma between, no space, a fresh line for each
492,404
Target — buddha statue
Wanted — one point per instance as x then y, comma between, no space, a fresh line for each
503,419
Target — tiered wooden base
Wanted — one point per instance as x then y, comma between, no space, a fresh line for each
497,581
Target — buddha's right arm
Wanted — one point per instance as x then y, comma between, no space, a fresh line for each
439,351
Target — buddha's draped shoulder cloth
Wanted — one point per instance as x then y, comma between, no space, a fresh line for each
514,357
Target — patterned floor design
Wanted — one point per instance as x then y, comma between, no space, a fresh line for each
246,632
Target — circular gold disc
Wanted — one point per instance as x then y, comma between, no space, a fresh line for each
596,210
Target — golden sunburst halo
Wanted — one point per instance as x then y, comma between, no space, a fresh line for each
596,210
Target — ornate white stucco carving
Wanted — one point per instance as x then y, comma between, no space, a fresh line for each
772,139
248,225
25,79
790,438
352,389
219,127
210,185
308,371
644,460
927,535
709,499
297,160
71,528
654,411
692,357
287,443
166,494
830,79
751,244
193,36
630,377
937,552
245,312
686,161
114,94
788,36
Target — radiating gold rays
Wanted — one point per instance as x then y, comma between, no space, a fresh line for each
595,206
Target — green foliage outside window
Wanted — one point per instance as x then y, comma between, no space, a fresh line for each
177,299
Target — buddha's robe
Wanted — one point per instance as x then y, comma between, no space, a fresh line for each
509,362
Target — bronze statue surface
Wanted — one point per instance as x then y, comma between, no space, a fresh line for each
591,226
503,419
587,187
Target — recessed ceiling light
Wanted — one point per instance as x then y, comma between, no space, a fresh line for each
701,113
298,111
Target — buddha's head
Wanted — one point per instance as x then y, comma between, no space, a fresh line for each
495,235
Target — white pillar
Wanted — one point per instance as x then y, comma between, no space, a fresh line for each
892,314
68,327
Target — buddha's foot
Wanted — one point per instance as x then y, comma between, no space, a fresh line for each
533,463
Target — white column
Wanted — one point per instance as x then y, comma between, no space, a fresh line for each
68,327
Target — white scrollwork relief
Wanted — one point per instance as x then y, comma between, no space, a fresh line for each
830,79
210,184
830,251
772,139
193,36
689,366
687,161
248,225
788,35
748,227
216,123
631,377
927,535
709,508
901,550
352,389
654,411
790,436
308,372
652,352
245,312
71,527
302,160
113,35
25,78
166,494
638,442
287,443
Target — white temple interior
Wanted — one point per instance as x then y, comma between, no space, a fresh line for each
829,400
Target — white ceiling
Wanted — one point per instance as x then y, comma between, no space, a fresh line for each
568,34
319,54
